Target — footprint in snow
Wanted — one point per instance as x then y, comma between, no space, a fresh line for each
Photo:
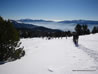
50,70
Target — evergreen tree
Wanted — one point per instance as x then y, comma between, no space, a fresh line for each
95,30
82,29
78,29
9,42
85,29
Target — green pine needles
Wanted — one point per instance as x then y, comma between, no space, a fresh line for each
10,49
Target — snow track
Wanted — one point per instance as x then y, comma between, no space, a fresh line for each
91,53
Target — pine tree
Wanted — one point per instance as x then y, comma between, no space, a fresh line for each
85,29
9,42
78,29
95,30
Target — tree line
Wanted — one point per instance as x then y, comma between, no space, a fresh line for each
80,29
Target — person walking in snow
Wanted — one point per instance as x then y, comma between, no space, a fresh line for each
75,38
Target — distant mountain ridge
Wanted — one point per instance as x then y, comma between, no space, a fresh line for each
80,22
22,25
66,21
31,20
32,27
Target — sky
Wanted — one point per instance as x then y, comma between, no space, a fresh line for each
49,9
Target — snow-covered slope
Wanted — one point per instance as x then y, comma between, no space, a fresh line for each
56,56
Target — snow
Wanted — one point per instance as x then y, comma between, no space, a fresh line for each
56,56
